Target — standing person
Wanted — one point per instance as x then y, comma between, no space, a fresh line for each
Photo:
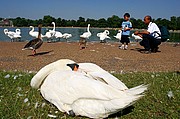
126,27
151,36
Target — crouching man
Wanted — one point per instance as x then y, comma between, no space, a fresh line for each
151,36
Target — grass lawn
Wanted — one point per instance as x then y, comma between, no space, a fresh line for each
162,100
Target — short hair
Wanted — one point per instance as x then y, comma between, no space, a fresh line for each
127,14
149,17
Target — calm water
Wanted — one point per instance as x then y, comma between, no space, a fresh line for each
76,32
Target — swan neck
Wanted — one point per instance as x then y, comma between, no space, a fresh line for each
88,28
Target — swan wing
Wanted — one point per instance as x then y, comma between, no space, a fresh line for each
97,72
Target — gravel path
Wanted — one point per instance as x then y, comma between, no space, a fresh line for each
108,56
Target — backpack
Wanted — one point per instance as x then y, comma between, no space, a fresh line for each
165,35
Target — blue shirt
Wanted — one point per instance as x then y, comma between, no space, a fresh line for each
126,24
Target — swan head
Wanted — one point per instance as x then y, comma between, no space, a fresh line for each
53,23
18,30
5,31
73,66
106,32
31,26
119,31
88,25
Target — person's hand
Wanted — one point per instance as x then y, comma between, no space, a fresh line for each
136,32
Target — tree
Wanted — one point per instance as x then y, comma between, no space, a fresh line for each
102,23
47,20
173,24
81,22
114,22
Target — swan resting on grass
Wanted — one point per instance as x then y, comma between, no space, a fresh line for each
84,89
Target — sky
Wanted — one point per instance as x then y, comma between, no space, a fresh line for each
93,9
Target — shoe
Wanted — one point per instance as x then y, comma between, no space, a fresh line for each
122,47
146,52
126,47
154,50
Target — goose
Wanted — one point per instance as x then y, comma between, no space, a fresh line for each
118,35
34,33
136,37
84,89
13,35
35,43
103,36
66,36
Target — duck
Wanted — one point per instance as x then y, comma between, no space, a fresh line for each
34,33
35,43
13,35
84,89
103,36
118,35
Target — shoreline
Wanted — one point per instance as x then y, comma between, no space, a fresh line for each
134,29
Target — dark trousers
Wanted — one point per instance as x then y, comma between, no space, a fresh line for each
149,42
125,39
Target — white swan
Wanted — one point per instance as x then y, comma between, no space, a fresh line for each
103,36
34,33
66,36
51,33
13,35
136,37
118,35
90,91
87,34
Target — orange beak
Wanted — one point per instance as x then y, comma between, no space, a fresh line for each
75,68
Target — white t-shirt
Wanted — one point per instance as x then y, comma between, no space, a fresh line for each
154,30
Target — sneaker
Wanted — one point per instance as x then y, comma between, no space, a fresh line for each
122,47
146,52
126,47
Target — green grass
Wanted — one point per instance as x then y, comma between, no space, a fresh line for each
15,89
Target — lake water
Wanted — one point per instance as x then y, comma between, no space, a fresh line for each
76,32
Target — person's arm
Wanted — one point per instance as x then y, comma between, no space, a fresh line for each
126,29
141,32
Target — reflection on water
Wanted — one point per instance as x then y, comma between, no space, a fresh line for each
76,32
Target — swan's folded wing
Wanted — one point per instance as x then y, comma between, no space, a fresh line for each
97,72
71,86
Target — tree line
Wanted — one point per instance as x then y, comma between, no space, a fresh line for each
111,22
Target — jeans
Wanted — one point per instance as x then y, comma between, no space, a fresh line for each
149,42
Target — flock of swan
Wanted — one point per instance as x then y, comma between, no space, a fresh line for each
50,34
84,89
38,41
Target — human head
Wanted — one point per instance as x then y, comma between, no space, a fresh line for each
126,16
147,19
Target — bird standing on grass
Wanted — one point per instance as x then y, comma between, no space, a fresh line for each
35,43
